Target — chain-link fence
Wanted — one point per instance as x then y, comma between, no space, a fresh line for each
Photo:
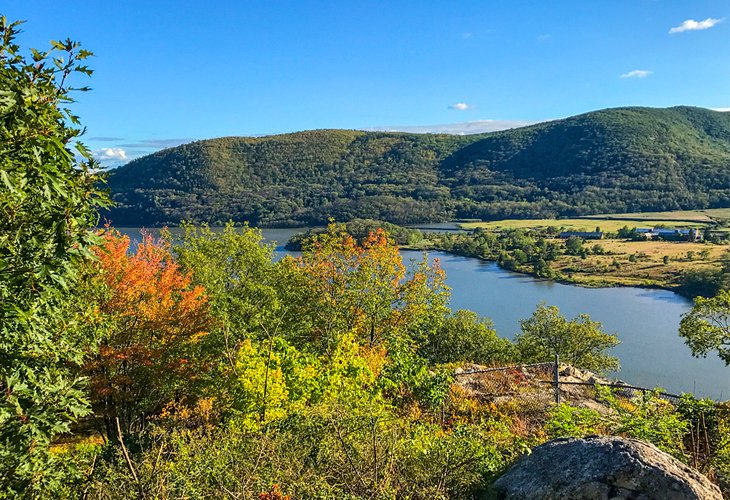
532,389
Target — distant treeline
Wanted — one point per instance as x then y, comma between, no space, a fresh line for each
615,160
360,229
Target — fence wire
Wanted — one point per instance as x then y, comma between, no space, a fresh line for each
531,390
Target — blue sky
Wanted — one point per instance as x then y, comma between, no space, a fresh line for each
171,71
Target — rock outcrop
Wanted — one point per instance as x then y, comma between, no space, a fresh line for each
602,468
526,385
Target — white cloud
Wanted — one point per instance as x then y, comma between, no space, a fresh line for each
692,25
464,128
637,73
724,110
110,154
461,106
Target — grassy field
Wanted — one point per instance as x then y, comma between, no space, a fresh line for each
630,263
606,225
646,268
717,218
700,216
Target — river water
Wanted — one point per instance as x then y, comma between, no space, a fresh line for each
646,321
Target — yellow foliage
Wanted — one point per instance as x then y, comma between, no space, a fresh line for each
263,392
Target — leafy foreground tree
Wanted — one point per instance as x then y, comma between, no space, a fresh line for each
706,327
579,342
298,331
153,319
48,203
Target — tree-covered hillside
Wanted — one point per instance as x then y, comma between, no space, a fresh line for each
615,160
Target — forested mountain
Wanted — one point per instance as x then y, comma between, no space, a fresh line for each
614,160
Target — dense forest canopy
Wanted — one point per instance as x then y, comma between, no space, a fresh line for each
614,160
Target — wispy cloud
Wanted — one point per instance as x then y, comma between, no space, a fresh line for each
637,73
466,35
464,128
544,37
692,25
110,154
104,138
461,106
157,143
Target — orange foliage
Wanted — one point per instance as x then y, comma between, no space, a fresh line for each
154,317
149,288
274,494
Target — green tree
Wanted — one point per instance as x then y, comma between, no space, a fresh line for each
239,275
573,245
579,342
706,327
238,272
48,202
464,336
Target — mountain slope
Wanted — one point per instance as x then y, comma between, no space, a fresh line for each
614,160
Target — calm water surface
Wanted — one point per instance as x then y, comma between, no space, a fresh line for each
651,352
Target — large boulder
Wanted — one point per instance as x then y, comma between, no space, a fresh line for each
602,467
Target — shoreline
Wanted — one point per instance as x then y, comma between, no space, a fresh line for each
562,279
585,280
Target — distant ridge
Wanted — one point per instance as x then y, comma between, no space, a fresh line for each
614,160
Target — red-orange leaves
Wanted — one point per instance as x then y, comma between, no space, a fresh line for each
153,318
149,288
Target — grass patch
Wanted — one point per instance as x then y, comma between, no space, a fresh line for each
709,215
645,268
580,224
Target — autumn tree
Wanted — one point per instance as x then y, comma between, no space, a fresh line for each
268,367
49,196
153,319
339,287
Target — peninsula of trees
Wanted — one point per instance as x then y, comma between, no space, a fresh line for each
614,160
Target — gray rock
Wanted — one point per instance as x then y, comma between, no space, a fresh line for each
602,468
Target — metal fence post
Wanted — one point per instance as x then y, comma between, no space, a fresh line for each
556,378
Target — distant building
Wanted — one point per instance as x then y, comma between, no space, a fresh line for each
670,234
586,235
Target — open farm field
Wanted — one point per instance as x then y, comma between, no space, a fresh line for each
578,224
709,215
638,263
